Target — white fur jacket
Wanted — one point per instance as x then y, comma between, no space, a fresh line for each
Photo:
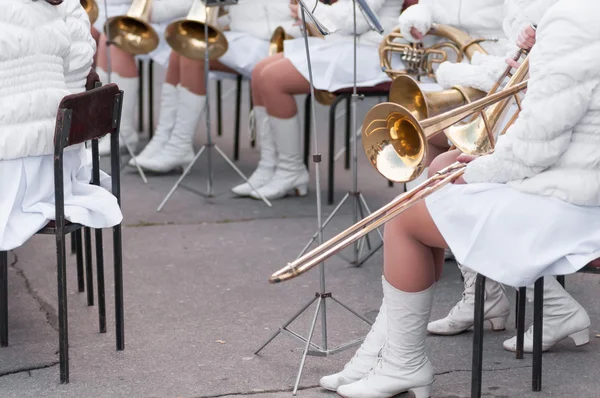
553,149
479,18
162,11
47,54
339,17
484,70
260,18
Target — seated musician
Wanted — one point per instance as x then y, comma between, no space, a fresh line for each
124,70
563,316
495,217
251,23
278,78
47,54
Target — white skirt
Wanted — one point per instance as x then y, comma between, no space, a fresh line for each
160,55
514,237
244,52
27,196
333,63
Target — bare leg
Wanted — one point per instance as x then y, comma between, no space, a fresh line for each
257,79
173,71
436,145
280,82
96,37
123,63
443,160
192,74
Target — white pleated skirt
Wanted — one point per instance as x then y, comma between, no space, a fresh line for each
27,196
333,63
244,52
514,237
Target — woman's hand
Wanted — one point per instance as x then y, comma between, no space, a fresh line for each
416,34
464,158
526,39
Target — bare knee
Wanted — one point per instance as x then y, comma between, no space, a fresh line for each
442,161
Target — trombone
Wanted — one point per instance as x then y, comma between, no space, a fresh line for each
396,146
132,32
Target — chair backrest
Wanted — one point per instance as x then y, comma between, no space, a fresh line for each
408,3
86,116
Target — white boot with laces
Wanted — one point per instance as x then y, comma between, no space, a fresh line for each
268,157
290,175
128,134
563,317
461,316
403,365
166,123
365,357
178,152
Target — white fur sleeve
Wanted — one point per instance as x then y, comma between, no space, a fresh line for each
78,63
558,97
170,10
418,16
340,16
481,74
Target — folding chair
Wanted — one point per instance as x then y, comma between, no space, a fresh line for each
81,117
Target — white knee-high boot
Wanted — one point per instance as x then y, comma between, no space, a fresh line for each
128,134
403,365
365,357
268,156
166,123
290,171
461,316
178,152
563,317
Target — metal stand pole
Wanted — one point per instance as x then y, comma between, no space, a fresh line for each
320,297
208,147
109,72
359,204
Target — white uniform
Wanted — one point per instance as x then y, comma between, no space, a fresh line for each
163,12
532,207
332,59
47,55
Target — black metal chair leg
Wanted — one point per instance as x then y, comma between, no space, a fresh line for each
219,108
238,113
141,96
348,133
252,140
119,310
307,122
100,281
4,299
73,245
477,365
89,271
63,323
520,322
79,256
561,280
150,98
538,326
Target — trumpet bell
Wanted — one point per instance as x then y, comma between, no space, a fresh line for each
394,143
132,35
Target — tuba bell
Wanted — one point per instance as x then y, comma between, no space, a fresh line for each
186,36
418,60
91,8
132,32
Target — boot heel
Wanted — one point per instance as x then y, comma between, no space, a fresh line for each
581,338
498,324
421,392
302,190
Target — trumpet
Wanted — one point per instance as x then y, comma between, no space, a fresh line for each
397,142
91,8
418,60
187,36
132,32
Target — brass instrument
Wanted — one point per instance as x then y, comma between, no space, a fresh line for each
132,32
395,142
418,60
91,8
186,36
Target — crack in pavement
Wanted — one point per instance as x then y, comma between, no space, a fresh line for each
29,369
255,392
485,370
44,306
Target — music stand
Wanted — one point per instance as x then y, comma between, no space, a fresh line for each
321,296
210,145
359,204
108,73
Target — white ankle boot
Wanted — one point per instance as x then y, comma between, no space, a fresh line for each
403,365
268,157
128,134
364,359
290,172
179,151
461,316
563,317
166,123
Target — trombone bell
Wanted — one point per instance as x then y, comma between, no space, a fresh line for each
187,36
132,32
